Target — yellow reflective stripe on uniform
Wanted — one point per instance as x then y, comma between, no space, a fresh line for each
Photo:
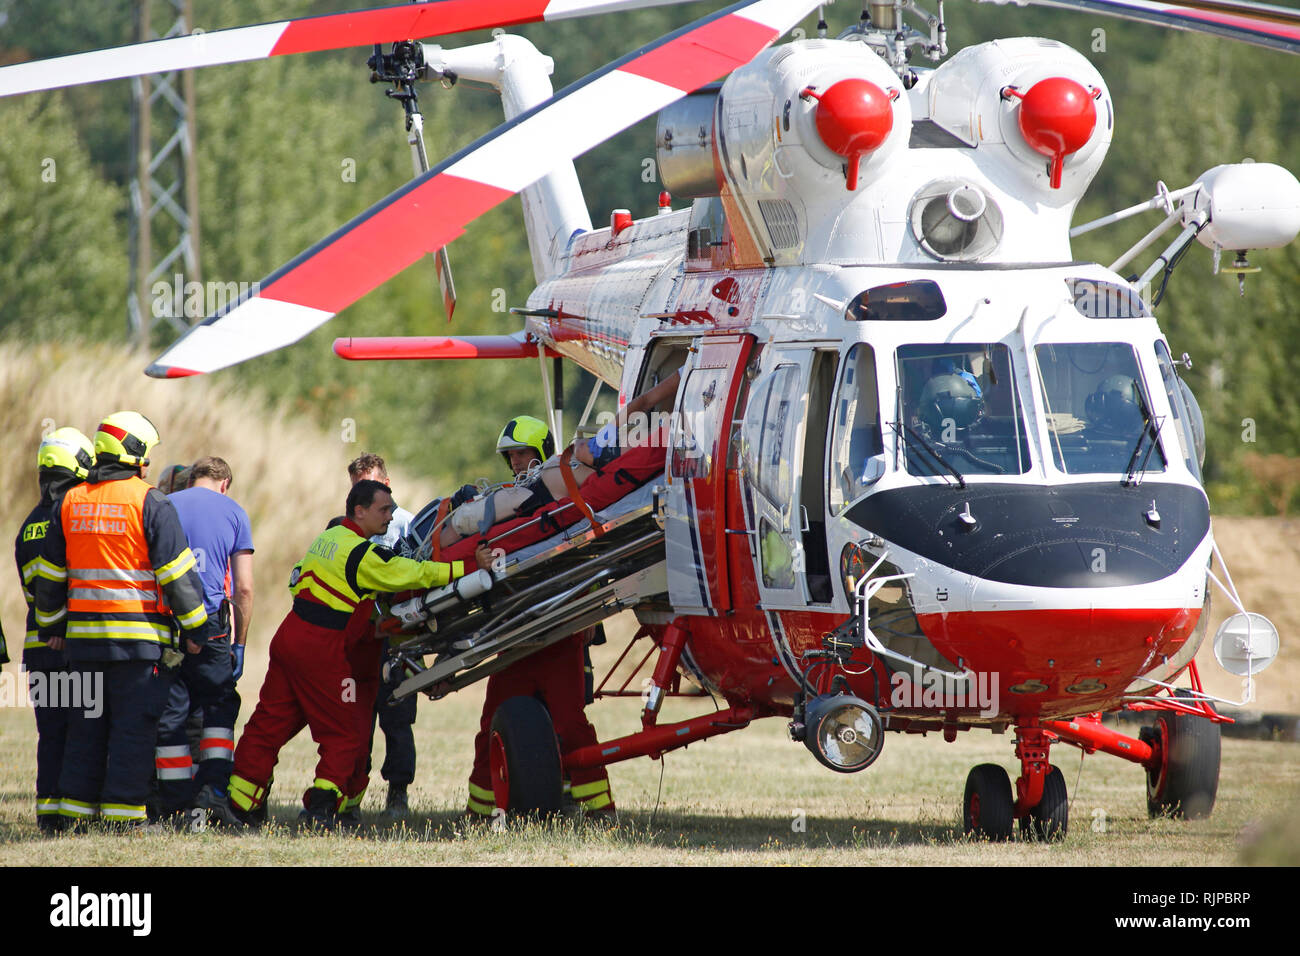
78,808
44,569
322,784
194,618
582,791
173,569
597,803
46,806
120,630
352,803
45,618
245,794
122,811
33,640
481,801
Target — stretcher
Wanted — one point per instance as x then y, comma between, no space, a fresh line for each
539,593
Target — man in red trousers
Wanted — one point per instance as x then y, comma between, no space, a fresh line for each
312,679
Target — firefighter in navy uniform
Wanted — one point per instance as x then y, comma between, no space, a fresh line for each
315,659
558,676
121,576
63,460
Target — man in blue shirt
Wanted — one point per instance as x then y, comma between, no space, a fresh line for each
222,541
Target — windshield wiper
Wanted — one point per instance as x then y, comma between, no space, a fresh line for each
930,450
1151,428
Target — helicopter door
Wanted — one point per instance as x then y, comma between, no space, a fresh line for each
784,448
695,516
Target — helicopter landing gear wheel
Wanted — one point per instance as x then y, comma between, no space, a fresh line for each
1184,780
987,806
524,758
1050,820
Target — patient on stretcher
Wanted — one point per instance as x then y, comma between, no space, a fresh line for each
546,482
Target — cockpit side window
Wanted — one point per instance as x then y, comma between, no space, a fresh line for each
960,410
1098,410
1187,414
857,448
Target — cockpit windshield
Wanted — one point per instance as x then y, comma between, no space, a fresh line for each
1098,413
960,412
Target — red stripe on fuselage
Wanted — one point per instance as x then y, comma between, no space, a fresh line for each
410,22
705,54
385,243
1127,641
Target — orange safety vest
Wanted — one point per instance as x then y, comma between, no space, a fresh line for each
113,593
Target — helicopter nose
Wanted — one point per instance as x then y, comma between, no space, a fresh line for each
1093,535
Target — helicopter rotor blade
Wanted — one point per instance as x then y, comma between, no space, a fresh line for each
433,209
1265,25
407,21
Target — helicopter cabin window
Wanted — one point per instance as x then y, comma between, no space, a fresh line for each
918,301
857,451
1098,414
1190,426
768,434
960,410
1094,299
698,420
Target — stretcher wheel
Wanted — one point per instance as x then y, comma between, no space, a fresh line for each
1051,818
1186,780
524,758
987,809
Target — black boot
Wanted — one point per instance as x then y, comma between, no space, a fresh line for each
322,809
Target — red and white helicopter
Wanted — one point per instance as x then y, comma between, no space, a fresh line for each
924,470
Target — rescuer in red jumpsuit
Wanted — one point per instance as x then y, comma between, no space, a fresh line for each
556,675
316,657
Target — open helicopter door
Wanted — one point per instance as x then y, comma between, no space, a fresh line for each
695,514
784,442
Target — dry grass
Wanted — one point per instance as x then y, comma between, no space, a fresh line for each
290,476
732,800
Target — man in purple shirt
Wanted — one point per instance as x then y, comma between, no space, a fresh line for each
221,538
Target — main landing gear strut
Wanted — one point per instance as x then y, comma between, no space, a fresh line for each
1180,755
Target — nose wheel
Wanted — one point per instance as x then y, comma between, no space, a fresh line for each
987,807
1039,801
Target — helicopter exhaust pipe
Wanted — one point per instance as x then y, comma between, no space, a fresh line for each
684,145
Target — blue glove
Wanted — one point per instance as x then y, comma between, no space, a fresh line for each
237,653
465,493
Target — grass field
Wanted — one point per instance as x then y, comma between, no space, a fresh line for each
748,798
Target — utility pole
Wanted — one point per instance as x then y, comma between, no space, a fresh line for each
164,187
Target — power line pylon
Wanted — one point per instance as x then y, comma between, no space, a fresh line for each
165,187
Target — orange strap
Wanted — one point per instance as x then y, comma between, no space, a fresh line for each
571,486
443,507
